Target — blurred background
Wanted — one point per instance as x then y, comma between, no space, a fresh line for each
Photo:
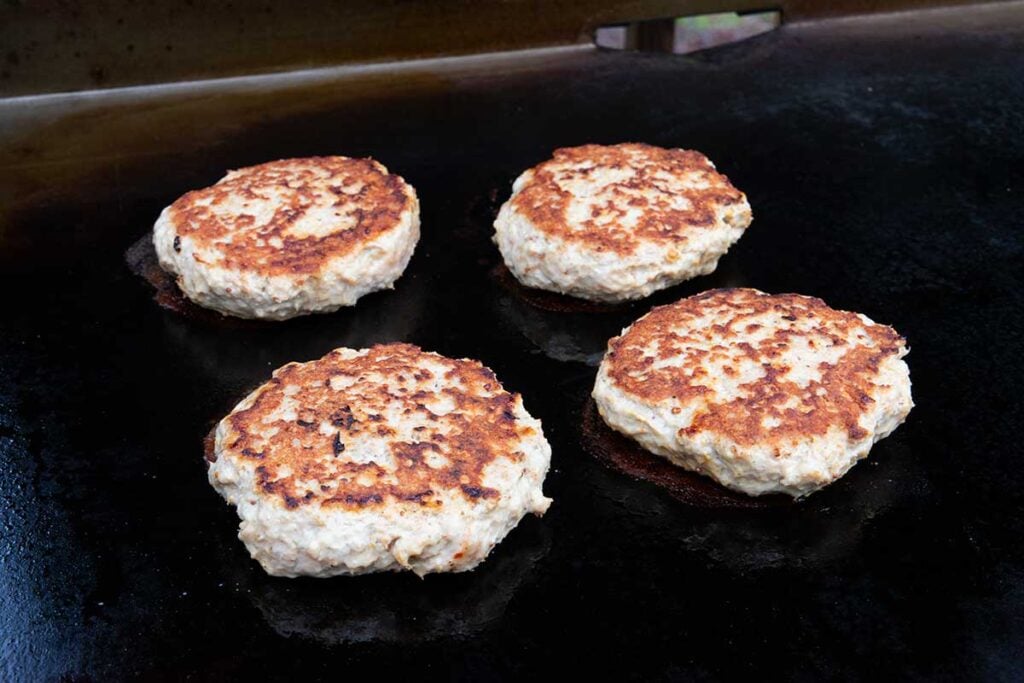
51,46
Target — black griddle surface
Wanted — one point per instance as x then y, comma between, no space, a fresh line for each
884,162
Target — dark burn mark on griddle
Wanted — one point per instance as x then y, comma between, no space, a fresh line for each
210,446
690,488
337,446
142,261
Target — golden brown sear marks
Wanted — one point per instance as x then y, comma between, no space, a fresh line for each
394,424
674,191
359,194
772,408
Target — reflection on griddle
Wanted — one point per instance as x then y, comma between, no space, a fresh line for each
553,301
563,328
395,608
569,329
237,356
821,530
575,337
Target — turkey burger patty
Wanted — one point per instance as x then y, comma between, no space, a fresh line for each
614,223
383,459
763,393
290,237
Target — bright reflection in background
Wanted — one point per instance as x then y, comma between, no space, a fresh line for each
699,32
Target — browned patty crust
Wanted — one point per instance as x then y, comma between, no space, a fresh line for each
304,461
353,183
839,398
544,201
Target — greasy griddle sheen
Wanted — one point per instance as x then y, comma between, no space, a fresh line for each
675,191
770,408
365,200
142,261
306,425
551,301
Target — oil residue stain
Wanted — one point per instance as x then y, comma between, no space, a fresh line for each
690,488
551,301
142,261
210,446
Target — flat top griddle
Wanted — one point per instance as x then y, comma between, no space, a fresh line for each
884,161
